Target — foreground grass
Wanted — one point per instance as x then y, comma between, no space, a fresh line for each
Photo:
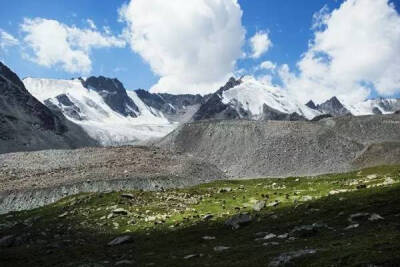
186,227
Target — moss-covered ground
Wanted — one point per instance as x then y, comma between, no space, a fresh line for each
306,222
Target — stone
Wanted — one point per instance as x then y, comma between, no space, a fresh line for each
225,190
63,215
208,237
191,256
207,217
352,226
259,205
375,217
129,196
274,204
125,239
238,220
120,211
220,248
270,244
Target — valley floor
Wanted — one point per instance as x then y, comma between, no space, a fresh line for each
350,219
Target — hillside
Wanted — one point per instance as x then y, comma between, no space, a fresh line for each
26,124
343,219
282,148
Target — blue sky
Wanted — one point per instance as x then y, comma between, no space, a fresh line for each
287,22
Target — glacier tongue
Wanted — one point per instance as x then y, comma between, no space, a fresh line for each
96,117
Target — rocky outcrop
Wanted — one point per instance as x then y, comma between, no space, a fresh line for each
26,124
214,108
332,106
113,93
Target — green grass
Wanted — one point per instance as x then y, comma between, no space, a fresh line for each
81,234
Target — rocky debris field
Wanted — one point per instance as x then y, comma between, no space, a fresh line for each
350,219
32,177
280,148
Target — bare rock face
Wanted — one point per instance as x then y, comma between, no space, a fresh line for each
26,124
213,108
332,107
113,93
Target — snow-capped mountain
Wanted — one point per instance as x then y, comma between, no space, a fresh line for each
110,124
249,98
26,124
114,116
375,107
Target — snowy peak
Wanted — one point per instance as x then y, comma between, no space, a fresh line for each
113,93
375,107
249,98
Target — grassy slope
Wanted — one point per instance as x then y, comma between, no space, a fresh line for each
167,226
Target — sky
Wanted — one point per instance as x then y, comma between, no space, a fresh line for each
314,49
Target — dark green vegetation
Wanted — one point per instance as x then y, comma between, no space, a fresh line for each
349,219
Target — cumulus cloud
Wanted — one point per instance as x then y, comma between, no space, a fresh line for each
53,43
191,45
355,50
260,44
7,40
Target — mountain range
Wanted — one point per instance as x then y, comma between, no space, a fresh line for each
100,111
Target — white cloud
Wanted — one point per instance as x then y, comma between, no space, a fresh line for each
191,45
7,40
267,65
260,44
54,43
355,50
91,24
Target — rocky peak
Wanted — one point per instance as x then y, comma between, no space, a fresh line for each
311,105
334,107
113,93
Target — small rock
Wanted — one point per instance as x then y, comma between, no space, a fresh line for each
274,204
375,217
191,256
207,217
220,248
63,215
307,198
129,196
283,236
270,244
269,236
208,237
238,220
352,226
225,190
120,211
259,205
125,239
